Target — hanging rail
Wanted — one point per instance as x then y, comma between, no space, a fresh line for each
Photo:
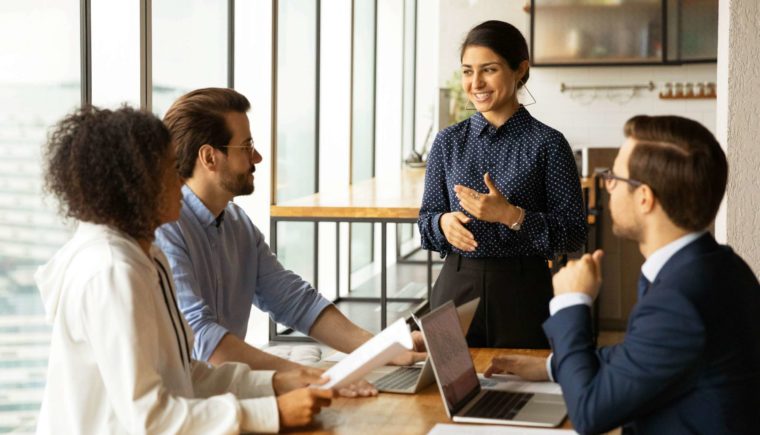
563,87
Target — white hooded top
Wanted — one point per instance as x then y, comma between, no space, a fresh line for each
119,356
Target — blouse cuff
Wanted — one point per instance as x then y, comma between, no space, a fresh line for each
440,238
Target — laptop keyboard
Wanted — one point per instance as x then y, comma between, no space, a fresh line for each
402,378
499,404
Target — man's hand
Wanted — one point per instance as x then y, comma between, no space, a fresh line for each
580,276
415,355
298,407
361,388
452,225
531,368
488,207
419,342
285,382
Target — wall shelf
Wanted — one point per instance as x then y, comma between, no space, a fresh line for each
688,97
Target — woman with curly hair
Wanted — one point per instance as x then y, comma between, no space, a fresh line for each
120,357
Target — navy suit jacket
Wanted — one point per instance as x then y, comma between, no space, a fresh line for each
690,361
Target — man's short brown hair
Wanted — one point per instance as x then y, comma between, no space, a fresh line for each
198,118
683,164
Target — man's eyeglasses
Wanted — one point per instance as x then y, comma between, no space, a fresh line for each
610,179
246,148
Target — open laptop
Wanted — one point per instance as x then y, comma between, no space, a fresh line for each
463,397
411,379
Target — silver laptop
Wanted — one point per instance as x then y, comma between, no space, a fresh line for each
463,397
411,379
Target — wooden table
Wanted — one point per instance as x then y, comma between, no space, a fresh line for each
374,200
398,413
380,200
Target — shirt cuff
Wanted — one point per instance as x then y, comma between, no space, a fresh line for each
207,340
549,367
532,224
259,415
306,322
568,300
438,233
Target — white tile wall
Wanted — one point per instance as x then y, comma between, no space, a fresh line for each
596,119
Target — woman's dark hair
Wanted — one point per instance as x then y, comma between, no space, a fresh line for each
106,166
198,118
683,164
503,39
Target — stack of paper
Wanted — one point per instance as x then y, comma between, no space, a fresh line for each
378,351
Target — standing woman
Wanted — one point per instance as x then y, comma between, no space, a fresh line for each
502,195
120,354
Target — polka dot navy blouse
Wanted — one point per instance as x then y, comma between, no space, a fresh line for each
530,163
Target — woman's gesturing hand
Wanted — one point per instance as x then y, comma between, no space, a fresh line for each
452,225
488,207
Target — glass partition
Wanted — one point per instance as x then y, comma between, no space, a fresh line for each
39,83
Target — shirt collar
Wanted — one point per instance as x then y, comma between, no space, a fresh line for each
198,208
513,124
658,258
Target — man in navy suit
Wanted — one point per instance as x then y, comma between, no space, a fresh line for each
690,361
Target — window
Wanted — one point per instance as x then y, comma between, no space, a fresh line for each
296,132
39,83
363,123
189,48
115,44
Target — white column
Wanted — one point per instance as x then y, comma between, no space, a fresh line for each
738,129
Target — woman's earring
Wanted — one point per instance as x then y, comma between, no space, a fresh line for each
525,90
469,106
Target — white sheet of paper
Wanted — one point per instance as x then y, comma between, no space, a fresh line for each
483,429
515,383
377,351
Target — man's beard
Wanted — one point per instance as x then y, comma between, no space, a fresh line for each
632,232
237,184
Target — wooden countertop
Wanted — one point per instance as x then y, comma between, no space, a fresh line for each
377,198
392,198
398,413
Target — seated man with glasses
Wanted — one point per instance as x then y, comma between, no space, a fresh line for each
220,260
690,361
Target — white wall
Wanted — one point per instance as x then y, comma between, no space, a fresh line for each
587,119
738,106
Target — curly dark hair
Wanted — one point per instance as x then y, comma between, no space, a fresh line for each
105,167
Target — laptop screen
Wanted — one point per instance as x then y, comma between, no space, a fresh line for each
451,358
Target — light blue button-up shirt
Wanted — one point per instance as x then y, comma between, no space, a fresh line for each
221,268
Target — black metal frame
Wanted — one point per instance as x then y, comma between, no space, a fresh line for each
231,44
663,62
383,299
146,55
85,50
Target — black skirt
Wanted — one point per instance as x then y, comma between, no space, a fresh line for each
514,298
